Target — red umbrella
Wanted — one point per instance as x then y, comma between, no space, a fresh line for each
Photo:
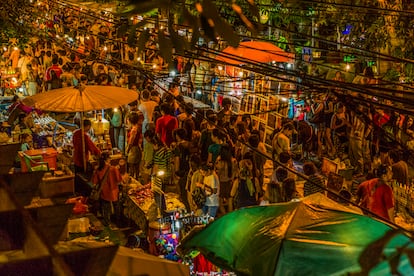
254,51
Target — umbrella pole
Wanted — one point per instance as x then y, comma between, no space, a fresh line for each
83,143
82,132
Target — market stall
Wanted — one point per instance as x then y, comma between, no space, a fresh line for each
265,99
81,99
10,81
141,207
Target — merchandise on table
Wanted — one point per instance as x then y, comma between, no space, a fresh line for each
47,132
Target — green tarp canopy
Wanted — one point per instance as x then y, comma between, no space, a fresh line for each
314,236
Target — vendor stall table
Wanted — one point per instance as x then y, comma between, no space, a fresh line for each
144,209
140,213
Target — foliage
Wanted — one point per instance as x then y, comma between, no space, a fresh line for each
204,19
9,24
374,254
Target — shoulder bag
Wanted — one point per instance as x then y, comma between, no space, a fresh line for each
97,189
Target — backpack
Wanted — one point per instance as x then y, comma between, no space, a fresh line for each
199,197
315,118
54,80
184,154
88,71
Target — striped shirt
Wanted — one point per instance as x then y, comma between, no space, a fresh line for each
162,158
314,185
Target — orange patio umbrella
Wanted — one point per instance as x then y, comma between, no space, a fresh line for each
81,98
254,51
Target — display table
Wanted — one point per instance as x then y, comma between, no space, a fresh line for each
49,155
140,206
140,213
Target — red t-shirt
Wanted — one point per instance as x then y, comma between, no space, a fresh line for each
78,150
376,198
110,188
380,120
56,68
164,128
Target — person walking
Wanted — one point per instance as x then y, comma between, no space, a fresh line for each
246,187
165,125
108,177
281,141
376,195
211,188
133,149
181,154
147,107
227,171
82,147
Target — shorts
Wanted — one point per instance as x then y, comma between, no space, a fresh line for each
134,155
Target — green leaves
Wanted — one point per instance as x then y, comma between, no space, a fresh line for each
132,32
180,43
141,7
225,30
166,47
143,38
373,254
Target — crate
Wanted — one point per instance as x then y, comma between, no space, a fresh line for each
57,186
49,155
346,173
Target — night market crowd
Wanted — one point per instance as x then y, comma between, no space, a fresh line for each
215,159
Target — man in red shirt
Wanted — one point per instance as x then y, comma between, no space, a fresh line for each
57,71
165,125
79,155
376,196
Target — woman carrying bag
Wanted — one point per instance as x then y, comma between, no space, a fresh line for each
106,179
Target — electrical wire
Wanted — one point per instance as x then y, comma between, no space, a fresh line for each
350,202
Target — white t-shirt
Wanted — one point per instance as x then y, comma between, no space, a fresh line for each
147,109
281,143
212,181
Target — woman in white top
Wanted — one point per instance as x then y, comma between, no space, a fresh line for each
211,188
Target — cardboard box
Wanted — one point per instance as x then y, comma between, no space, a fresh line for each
57,186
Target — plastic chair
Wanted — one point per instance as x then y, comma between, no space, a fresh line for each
35,163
